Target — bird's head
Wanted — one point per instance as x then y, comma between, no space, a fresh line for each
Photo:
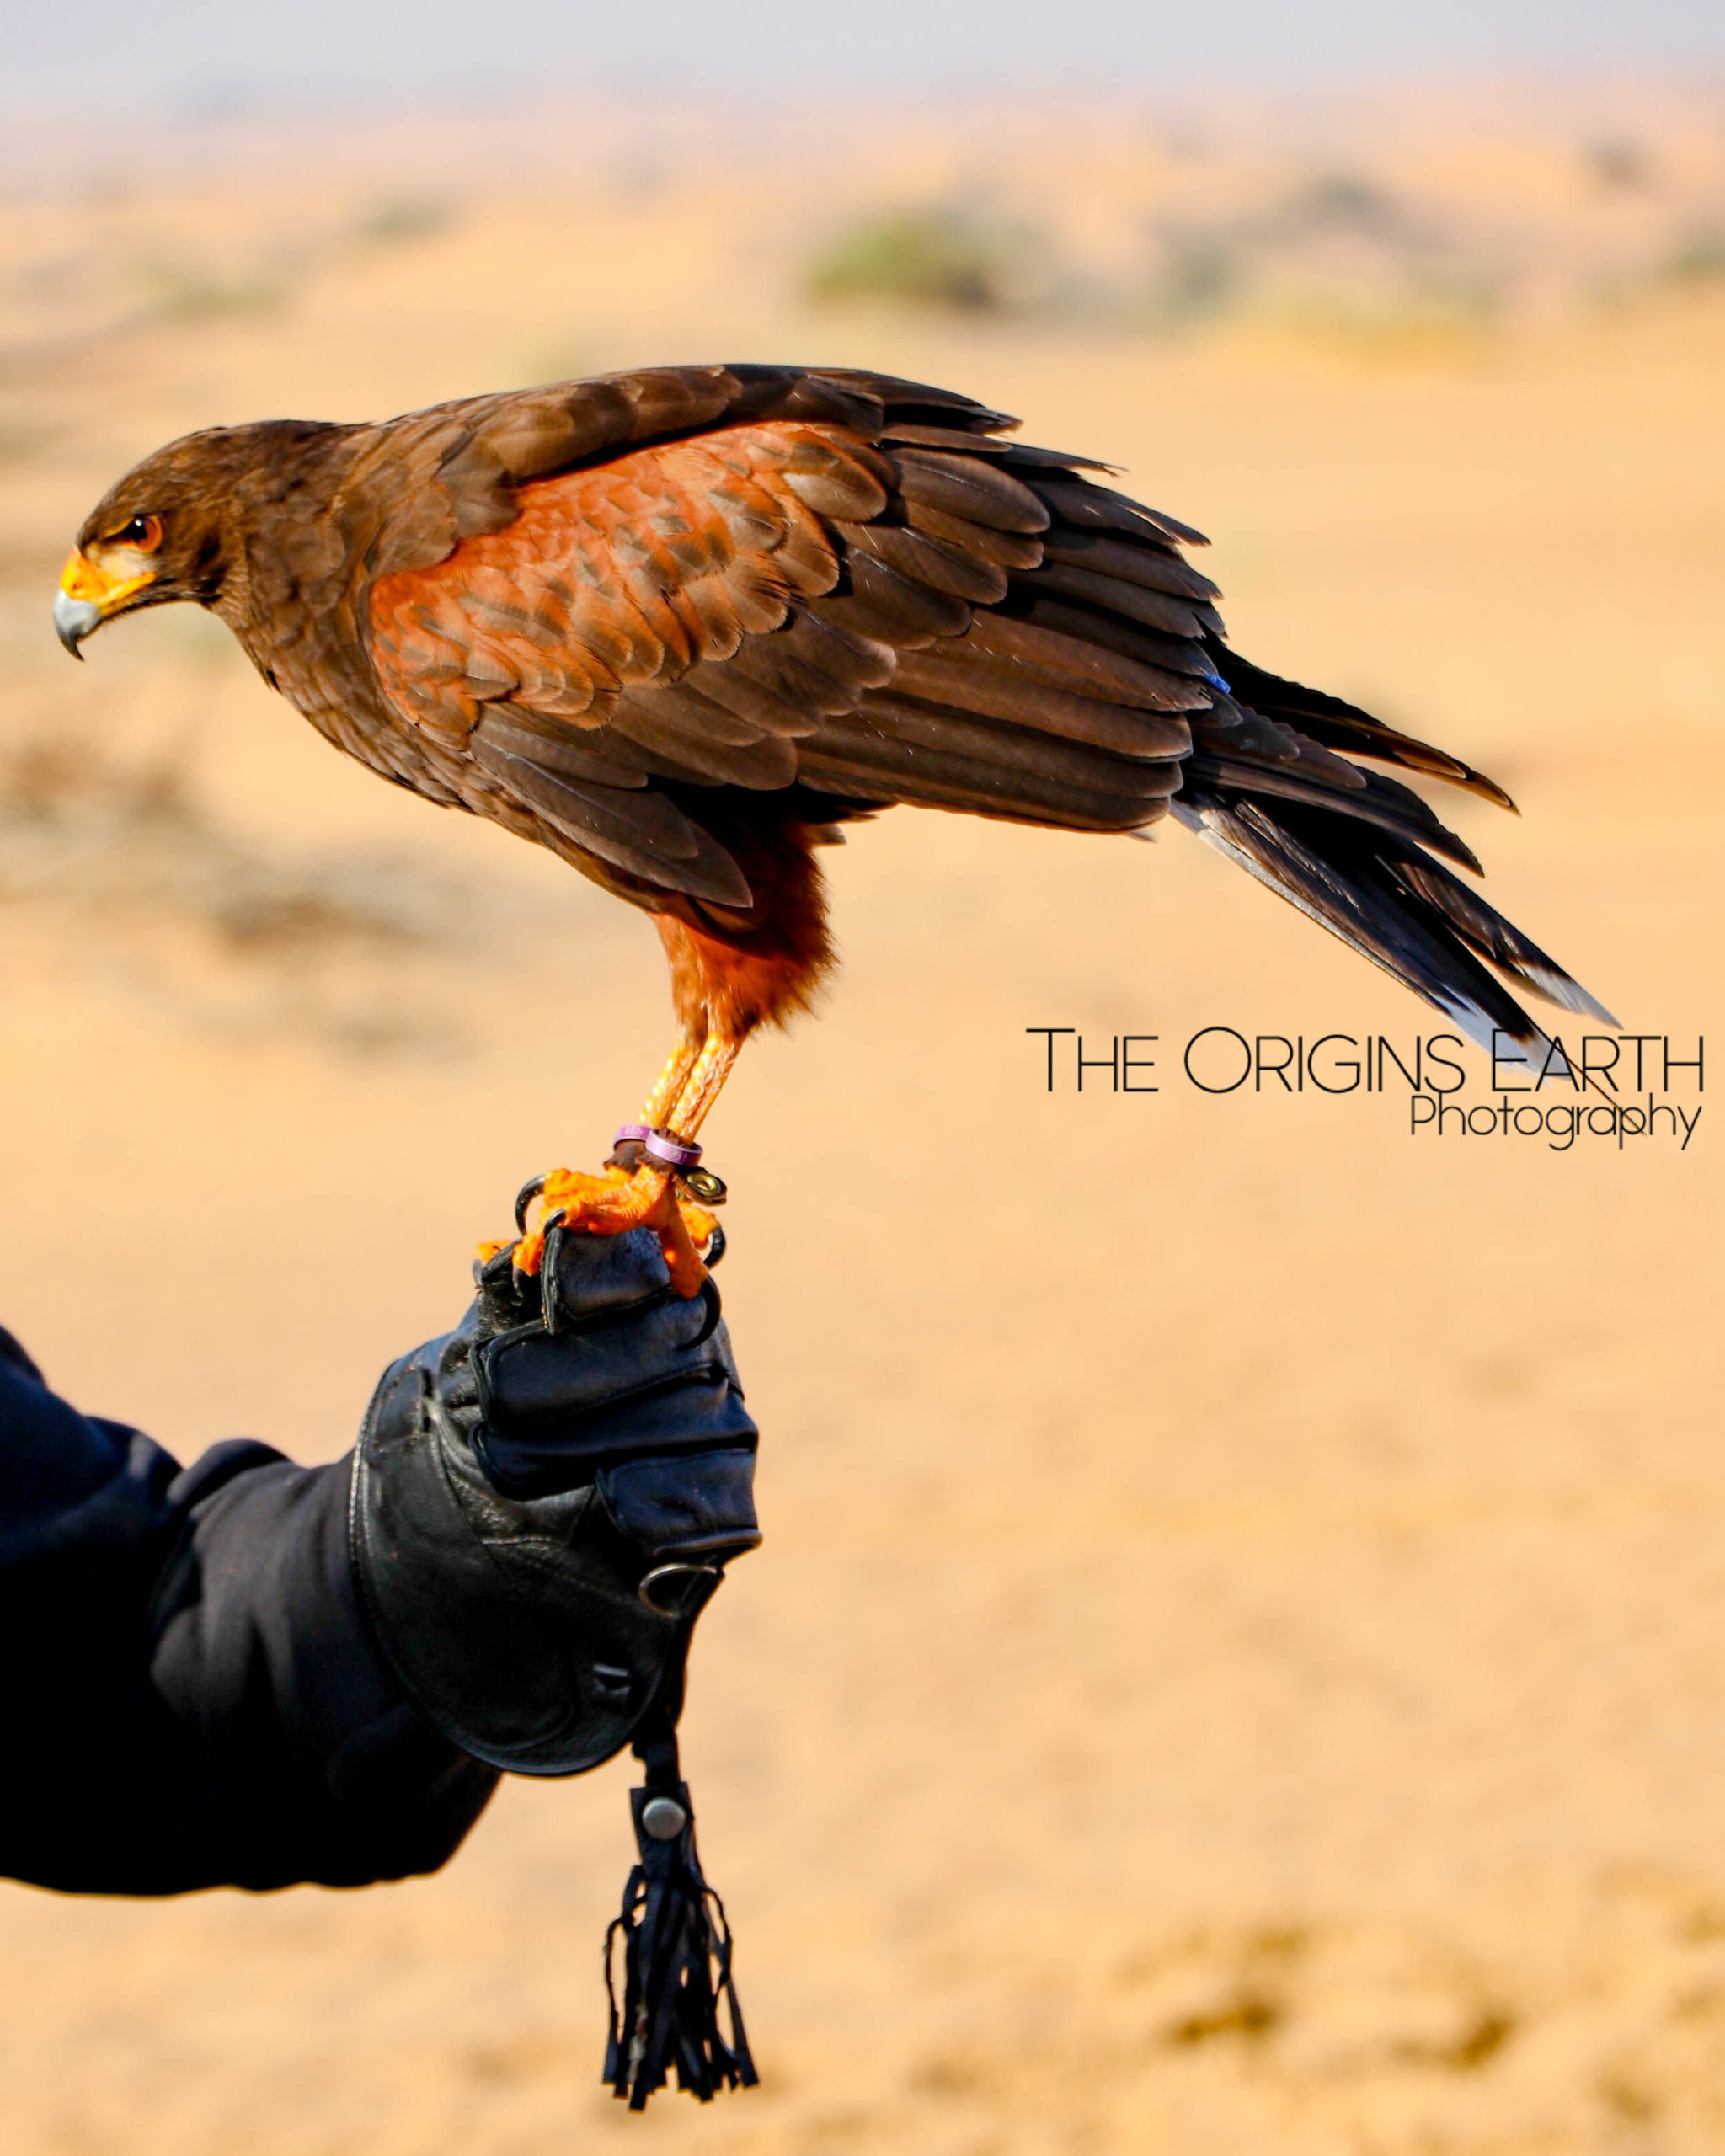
173,528
154,537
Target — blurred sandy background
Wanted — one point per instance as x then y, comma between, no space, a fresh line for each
1238,1658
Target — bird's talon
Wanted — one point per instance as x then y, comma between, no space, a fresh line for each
612,1204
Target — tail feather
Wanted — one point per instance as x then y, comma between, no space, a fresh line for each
1484,930
1352,848
1340,883
1338,725
1394,809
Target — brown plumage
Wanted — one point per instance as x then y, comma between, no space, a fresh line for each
677,625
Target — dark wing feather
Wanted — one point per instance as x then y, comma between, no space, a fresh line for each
982,542
1148,561
1114,597
635,832
685,736
941,563
970,488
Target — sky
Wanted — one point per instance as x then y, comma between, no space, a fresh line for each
204,54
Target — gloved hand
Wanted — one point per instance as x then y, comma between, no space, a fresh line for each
544,1500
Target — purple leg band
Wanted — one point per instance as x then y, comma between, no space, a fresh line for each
658,1146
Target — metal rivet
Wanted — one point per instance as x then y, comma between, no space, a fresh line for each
668,1590
664,1818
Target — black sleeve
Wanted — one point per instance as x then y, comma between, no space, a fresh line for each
188,1692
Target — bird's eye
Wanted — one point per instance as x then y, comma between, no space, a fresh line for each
142,532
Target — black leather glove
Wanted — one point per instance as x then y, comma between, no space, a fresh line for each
544,1500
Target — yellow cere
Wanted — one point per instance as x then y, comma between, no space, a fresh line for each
106,578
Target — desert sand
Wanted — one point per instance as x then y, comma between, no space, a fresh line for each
1237,1660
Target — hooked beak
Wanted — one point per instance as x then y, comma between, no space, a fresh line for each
90,591
73,619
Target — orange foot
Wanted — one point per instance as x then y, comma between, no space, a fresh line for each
612,1202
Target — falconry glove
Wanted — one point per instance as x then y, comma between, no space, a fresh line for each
543,1501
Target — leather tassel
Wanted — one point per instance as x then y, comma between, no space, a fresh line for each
677,1950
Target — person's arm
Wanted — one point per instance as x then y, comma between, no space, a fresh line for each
251,1673
190,1695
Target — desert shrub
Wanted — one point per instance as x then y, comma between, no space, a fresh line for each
1338,201
1616,161
404,217
934,255
1202,274
190,295
1701,253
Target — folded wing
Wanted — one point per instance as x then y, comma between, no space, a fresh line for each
650,606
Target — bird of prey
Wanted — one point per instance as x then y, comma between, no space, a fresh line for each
681,625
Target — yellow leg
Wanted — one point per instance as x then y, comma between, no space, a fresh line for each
704,1084
670,1082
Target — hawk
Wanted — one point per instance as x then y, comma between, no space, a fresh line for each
681,625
